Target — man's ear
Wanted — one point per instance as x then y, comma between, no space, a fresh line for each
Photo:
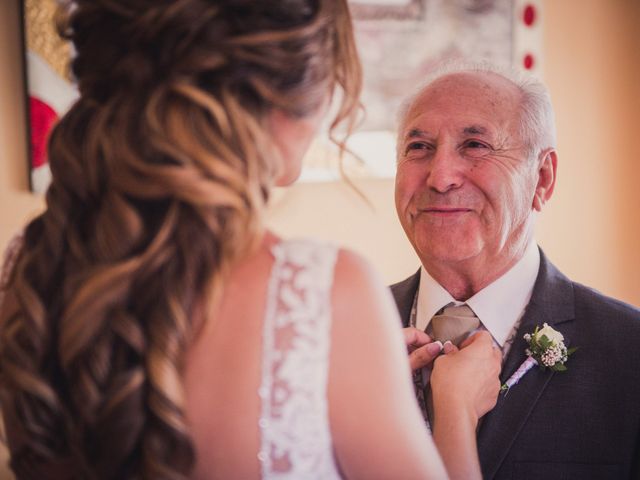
548,163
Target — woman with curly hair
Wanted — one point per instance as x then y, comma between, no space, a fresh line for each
151,327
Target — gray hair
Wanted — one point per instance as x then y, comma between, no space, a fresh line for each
537,126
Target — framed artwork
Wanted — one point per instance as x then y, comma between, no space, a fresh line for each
399,41
50,91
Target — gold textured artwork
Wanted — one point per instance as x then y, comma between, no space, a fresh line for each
42,36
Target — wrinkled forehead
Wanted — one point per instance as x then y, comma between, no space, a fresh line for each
468,95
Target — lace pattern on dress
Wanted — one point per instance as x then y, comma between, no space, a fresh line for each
294,424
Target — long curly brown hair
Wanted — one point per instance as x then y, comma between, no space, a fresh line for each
161,171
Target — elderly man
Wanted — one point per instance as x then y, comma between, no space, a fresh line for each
476,162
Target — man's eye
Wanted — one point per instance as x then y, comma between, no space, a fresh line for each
475,148
416,146
475,144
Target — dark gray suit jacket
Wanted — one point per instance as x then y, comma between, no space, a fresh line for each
580,424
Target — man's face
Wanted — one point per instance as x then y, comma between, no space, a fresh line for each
464,184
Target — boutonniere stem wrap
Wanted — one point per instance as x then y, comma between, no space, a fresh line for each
546,349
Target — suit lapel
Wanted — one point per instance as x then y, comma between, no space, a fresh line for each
403,293
552,303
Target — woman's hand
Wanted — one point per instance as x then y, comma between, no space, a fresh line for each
467,379
421,347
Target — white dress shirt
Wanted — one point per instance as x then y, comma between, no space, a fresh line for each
499,306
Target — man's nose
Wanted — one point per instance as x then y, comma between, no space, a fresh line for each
444,171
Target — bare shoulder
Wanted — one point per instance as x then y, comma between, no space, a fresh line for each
359,290
365,317
368,357
350,263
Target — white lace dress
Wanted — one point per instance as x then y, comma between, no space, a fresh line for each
294,424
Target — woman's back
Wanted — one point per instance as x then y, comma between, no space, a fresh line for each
222,376
256,381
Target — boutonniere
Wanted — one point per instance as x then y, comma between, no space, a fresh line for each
546,349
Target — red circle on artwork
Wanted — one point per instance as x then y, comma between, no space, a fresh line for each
529,15
42,118
528,61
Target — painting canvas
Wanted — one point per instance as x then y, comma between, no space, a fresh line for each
399,42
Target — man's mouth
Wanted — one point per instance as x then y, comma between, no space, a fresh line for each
445,210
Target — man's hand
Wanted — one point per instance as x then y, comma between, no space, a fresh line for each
422,349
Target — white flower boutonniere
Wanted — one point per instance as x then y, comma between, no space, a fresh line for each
546,349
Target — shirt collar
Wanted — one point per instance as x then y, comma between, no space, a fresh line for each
498,306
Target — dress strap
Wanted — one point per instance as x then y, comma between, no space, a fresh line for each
294,422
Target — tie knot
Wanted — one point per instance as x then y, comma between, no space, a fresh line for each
463,310
454,324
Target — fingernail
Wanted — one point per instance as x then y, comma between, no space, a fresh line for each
435,347
447,346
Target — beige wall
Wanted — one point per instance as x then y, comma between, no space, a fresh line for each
590,228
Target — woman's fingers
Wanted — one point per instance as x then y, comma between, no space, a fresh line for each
449,347
425,355
414,338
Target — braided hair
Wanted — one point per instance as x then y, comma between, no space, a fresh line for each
160,174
